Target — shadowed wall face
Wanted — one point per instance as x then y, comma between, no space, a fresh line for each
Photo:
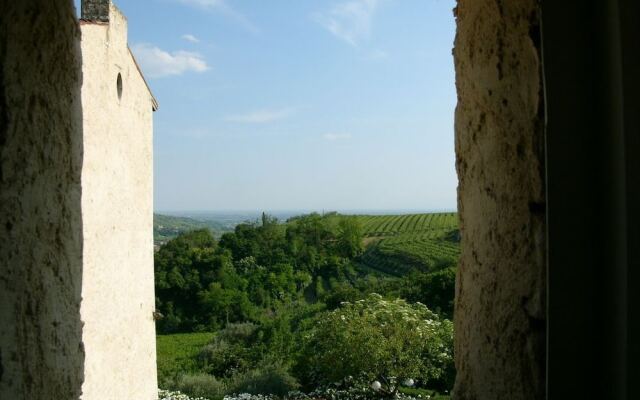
41,353
500,295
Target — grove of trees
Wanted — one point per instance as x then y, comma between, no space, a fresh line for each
293,309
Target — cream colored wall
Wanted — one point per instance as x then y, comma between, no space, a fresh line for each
117,212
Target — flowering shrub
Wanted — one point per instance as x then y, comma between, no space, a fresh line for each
347,390
329,393
175,395
246,396
378,339
170,395
351,389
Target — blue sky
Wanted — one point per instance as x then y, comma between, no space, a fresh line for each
299,104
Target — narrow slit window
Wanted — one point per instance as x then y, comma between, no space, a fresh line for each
119,86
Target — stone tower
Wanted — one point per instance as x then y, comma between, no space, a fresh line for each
117,212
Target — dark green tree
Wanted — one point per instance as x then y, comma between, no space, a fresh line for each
349,237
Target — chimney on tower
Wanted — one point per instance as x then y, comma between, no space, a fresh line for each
95,10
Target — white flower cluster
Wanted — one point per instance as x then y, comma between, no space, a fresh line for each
246,396
174,395
353,393
169,395
351,389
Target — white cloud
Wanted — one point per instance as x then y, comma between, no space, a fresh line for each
190,38
336,136
224,8
350,20
262,116
157,63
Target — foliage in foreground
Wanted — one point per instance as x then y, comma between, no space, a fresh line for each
373,339
378,339
335,392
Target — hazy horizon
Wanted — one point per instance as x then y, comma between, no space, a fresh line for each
234,217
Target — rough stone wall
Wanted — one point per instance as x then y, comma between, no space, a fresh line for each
41,354
117,208
95,10
500,293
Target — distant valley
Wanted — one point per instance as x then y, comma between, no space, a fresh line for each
167,227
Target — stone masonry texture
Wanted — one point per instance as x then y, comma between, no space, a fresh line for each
500,316
41,351
95,10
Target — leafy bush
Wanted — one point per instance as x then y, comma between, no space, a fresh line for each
379,339
340,293
223,359
229,352
435,289
201,385
271,379
349,237
238,333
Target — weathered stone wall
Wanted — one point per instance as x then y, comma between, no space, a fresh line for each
500,293
95,10
41,354
117,209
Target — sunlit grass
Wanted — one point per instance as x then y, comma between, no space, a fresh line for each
177,353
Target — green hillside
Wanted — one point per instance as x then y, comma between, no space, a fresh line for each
283,300
396,244
391,225
167,227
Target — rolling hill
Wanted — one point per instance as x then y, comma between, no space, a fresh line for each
396,244
167,227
